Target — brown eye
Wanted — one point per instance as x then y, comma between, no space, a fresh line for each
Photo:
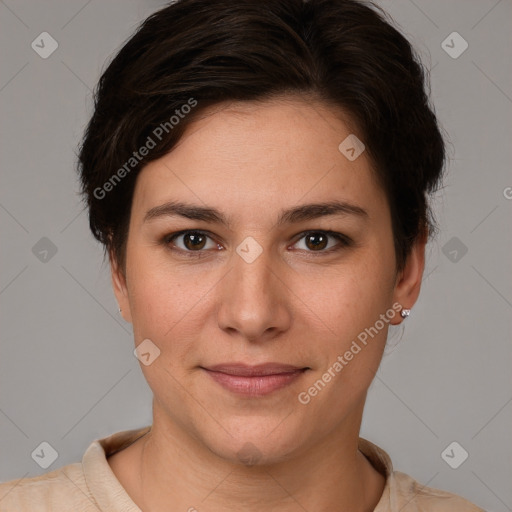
191,241
322,241
316,241
194,241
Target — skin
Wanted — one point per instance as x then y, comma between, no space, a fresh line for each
294,304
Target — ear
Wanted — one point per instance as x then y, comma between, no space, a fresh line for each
408,283
120,288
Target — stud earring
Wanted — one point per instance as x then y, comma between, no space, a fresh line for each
405,313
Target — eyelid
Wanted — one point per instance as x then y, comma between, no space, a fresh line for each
168,239
343,240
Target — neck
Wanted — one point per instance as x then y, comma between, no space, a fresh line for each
172,467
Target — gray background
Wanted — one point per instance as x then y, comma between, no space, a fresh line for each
67,371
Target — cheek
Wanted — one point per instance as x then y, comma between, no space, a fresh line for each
352,340
163,311
351,297
166,305
152,295
350,303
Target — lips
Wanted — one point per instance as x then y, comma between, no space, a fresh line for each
253,381
261,370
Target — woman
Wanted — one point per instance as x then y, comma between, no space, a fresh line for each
258,173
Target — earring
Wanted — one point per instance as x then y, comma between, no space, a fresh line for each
405,313
120,310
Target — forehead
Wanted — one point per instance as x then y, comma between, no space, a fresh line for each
257,157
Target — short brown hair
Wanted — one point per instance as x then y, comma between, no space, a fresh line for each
345,52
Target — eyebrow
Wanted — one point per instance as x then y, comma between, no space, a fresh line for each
293,215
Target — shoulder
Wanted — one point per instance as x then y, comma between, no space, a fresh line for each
58,490
404,494
415,497
86,486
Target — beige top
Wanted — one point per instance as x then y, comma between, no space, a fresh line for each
91,486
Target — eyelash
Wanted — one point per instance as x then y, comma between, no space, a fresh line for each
343,242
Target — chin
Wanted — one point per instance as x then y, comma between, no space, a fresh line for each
256,442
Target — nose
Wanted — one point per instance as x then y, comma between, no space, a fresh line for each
254,299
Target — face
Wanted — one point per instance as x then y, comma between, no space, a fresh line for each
260,264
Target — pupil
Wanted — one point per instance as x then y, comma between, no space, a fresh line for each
321,244
195,240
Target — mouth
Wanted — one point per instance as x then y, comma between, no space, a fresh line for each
254,381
